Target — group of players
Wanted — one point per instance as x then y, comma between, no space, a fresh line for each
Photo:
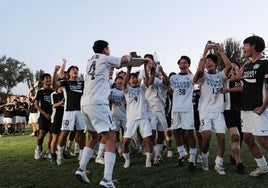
155,105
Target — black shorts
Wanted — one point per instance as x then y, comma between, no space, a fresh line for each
232,118
44,123
55,126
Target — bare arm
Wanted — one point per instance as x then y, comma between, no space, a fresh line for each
126,79
227,62
36,105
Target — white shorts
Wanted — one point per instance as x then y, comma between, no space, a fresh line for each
71,119
33,117
254,123
8,120
20,119
212,121
184,120
1,120
143,125
159,121
98,118
119,123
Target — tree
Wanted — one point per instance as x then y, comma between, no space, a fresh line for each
232,50
12,72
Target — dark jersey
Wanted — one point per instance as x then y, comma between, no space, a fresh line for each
73,91
254,77
32,108
9,110
22,108
57,112
2,108
235,96
44,99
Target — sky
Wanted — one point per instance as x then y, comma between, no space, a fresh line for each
41,32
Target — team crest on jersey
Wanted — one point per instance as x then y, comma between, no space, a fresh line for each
256,66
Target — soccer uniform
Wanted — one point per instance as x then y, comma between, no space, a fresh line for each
156,95
118,108
211,103
72,117
182,107
33,112
137,116
9,113
255,77
94,102
57,113
21,107
43,96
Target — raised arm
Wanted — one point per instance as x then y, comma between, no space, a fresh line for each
227,62
126,79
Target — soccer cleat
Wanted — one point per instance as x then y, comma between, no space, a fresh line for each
127,164
99,160
107,184
181,160
240,168
32,134
48,154
169,154
259,171
205,165
37,154
191,166
81,176
219,169
232,160
199,159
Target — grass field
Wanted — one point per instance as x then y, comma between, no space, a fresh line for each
19,169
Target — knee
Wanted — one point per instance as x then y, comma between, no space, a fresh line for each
235,138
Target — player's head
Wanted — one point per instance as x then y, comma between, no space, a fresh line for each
211,62
46,79
184,63
253,44
101,47
118,82
72,72
133,80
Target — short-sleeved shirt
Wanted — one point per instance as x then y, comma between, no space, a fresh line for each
43,96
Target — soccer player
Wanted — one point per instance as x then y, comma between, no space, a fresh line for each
137,117
2,105
22,107
43,105
211,104
96,111
33,113
182,110
254,101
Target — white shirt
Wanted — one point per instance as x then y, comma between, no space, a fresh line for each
118,104
182,85
97,88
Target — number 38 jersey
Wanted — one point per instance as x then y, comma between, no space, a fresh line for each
182,85
97,88
211,99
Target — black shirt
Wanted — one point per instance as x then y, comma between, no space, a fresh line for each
44,98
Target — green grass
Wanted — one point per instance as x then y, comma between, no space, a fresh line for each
19,169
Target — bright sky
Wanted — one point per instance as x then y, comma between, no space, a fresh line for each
39,33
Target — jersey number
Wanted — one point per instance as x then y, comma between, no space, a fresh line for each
92,70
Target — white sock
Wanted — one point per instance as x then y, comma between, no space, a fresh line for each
109,160
261,162
159,149
126,156
86,156
204,155
101,150
193,153
148,156
155,150
60,149
181,151
219,161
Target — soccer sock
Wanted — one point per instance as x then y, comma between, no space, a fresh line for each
60,151
87,154
181,151
159,149
193,153
101,150
204,155
155,150
126,156
219,161
118,146
148,156
261,162
109,160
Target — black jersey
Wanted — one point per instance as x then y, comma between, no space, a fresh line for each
57,112
44,99
32,108
22,108
73,91
2,108
235,96
254,77
9,110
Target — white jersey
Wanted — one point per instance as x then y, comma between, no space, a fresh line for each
97,88
182,85
136,106
118,104
156,95
211,99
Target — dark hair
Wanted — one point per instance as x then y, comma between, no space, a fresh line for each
42,77
185,58
213,57
134,74
118,77
171,74
71,67
149,56
257,41
99,46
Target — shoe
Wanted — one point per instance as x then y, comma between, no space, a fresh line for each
181,160
191,166
232,160
32,134
48,154
127,164
53,158
240,168
205,165
37,154
148,164
99,160
81,176
59,158
219,169
107,184
259,171
169,154
199,159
